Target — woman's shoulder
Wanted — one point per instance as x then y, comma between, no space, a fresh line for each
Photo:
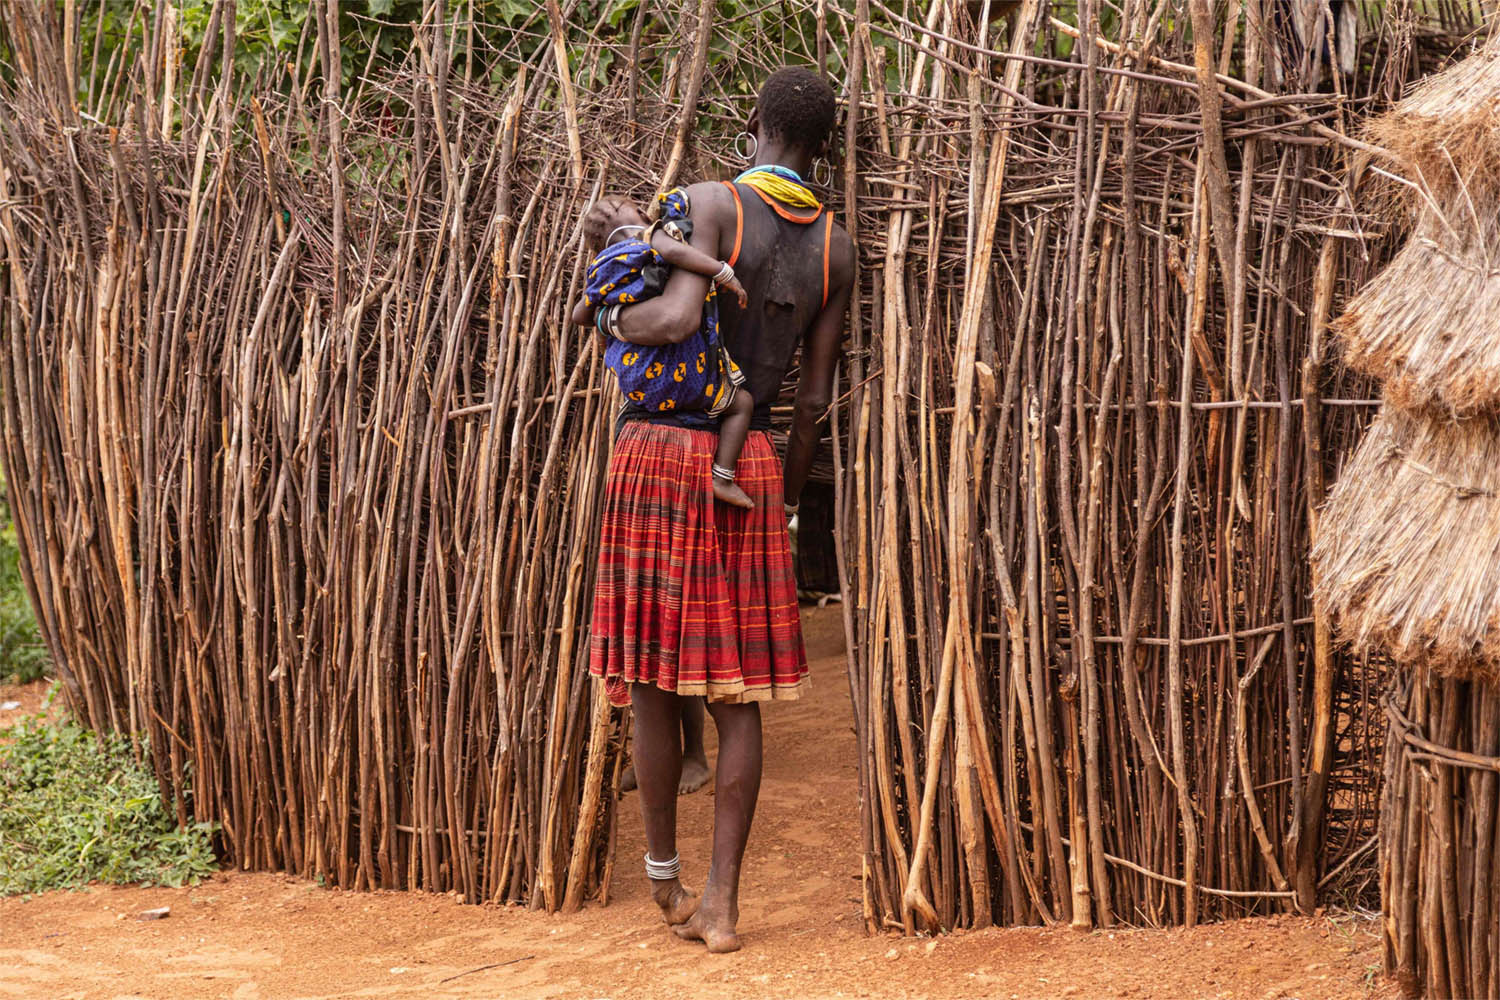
840,254
710,196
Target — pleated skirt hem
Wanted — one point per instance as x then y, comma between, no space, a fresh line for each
695,597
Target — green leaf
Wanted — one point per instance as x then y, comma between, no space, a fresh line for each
76,808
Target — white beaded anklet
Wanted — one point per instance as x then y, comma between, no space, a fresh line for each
661,871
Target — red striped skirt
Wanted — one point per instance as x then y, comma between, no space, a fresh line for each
694,596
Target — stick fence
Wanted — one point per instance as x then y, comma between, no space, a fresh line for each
306,462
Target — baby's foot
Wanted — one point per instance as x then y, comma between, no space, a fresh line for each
726,490
695,775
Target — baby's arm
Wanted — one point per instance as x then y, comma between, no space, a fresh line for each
680,253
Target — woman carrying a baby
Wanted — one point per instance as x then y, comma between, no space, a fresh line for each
695,593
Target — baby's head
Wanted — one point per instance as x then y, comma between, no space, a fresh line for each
607,215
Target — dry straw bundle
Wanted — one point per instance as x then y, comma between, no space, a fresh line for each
1444,133
1425,326
1418,576
306,464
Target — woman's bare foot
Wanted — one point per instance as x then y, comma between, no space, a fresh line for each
677,904
695,775
727,491
628,781
714,926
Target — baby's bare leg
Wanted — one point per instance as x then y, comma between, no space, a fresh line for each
695,773
734,428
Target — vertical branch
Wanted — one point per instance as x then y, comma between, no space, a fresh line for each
333,117
1185,806
1216,171
565,88
1320,740
689,95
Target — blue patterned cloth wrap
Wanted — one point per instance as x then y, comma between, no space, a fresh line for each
696,374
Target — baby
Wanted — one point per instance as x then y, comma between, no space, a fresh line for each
695,375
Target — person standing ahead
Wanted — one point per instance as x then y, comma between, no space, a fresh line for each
694,598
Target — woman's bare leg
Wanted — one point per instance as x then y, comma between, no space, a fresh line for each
735,792
658,769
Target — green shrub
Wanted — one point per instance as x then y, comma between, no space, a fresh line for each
76,808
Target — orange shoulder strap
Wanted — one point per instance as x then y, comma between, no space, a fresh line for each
827,242
739,223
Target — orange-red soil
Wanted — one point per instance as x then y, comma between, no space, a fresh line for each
250,936
29,699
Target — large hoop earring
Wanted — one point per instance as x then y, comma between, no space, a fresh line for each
827,179
739,146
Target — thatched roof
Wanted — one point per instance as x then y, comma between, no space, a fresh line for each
1446,131
1407,554
1428,326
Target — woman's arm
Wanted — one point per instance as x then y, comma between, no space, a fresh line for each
820,357
677,313
583,313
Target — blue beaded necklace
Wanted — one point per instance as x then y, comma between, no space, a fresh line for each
773,168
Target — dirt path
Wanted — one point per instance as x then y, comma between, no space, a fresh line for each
27,699
262,936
